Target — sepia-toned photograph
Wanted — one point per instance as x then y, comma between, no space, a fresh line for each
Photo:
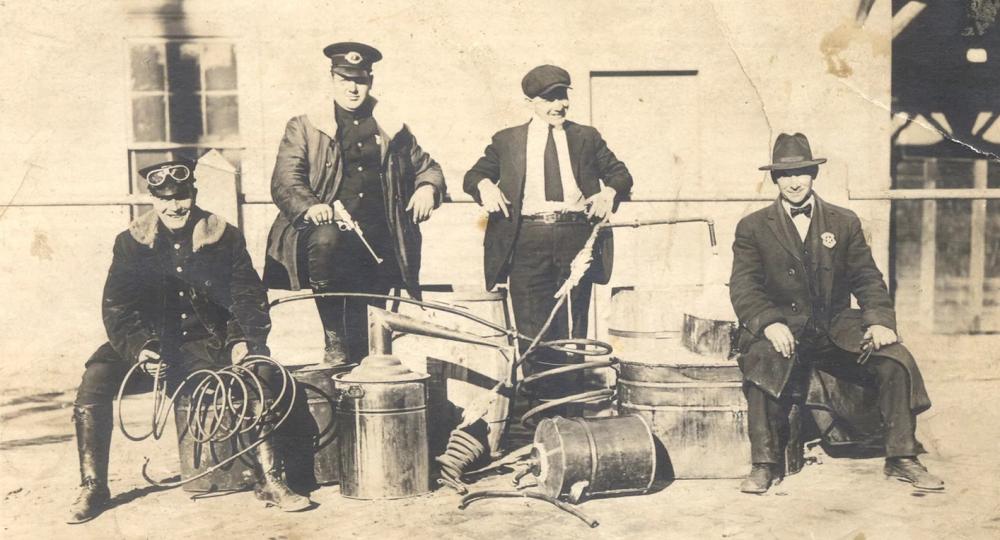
484,269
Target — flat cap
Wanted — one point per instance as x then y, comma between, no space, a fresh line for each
544,79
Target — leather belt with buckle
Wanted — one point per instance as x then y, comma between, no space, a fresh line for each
557,217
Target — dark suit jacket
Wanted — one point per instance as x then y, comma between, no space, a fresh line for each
503,162
769,284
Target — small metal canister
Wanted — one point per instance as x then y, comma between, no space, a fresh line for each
382,416
588,457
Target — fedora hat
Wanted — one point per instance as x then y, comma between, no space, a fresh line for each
791,152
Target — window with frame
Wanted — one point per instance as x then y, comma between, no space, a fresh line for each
183,101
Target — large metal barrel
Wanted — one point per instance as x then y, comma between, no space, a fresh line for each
695,406
309,435
382,416
196,457
461,373
588,457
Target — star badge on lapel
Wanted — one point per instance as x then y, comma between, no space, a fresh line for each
829,240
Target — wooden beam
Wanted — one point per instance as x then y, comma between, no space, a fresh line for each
977,248
924,194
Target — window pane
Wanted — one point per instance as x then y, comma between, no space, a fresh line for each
148,119
954,173
183,72
222,117
144,158
147,67
219,63
185,118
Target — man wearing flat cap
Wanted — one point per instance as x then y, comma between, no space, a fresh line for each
545,184
349,155
796,265
181,288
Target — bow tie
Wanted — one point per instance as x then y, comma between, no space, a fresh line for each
807,210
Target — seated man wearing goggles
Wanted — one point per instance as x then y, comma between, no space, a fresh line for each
181,287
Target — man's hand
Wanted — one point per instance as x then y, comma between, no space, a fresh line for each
601,204
781,338
153,366
319,214
492,198
239,352
422,203
880,336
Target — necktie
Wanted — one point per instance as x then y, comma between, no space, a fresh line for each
553,181
807,210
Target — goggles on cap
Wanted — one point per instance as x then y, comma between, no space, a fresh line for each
180,173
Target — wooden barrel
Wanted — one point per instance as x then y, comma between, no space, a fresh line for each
460,373
695,406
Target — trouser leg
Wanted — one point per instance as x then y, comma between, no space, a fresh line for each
540,265
767,423
339,262
320,244
93,423
894,405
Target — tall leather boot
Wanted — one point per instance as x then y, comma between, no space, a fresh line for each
93,443
331,314
271,487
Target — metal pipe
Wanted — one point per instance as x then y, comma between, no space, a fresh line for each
468,499
382,323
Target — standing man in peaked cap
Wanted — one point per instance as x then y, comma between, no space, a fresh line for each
544,184
350,151
181,287
796,264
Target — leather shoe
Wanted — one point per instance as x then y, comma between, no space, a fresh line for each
761,476
908,469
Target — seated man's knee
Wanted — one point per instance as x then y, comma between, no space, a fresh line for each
323,239
100,383
886,369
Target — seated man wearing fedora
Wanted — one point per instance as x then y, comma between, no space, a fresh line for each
796,264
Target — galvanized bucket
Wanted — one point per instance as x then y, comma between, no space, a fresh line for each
695,406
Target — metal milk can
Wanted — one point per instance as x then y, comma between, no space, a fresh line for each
382,416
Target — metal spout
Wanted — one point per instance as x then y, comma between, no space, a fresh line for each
382,323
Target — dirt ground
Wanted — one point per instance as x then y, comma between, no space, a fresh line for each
835,498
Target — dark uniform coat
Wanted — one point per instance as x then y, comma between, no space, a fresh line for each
309,171
504,162
226,293
769,284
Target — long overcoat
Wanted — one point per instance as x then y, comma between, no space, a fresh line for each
769,284
309,171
